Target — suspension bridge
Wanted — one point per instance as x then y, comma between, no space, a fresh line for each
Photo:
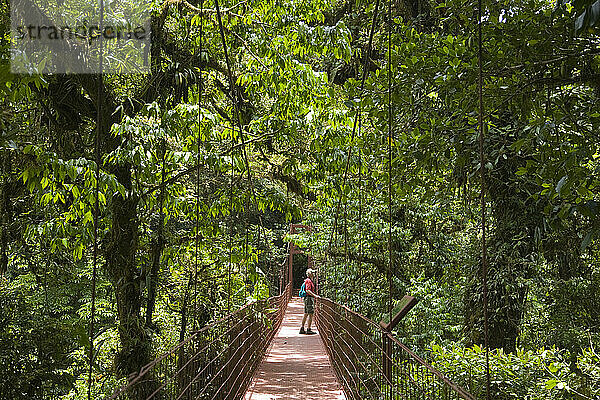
257,353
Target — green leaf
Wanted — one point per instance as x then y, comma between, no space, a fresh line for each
521,171
78,252
551,383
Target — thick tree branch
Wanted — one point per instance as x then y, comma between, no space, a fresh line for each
197,10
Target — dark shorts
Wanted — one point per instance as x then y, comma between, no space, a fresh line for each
309,305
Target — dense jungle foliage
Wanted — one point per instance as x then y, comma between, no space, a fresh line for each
194,215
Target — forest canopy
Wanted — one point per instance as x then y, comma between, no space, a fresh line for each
199,166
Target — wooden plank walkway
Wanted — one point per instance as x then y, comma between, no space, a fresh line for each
296,366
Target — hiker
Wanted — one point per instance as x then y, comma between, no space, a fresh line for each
309,301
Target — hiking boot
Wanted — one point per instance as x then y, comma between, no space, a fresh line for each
310,332
302,331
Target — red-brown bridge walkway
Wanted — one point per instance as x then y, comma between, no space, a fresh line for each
296,366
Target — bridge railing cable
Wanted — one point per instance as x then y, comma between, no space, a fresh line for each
216,362
373,364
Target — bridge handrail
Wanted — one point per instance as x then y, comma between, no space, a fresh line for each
181,344
193,357
462,392
369,359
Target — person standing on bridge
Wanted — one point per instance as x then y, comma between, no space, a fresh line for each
309,301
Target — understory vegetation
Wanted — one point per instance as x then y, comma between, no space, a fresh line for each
199,178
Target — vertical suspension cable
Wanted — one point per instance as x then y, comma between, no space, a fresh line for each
46,310
360,219
390,137
355,124
96,201
246,258
282,273
198,161
346,241
334,270
236,116
235,100
483,205
269,253
231,178
156,256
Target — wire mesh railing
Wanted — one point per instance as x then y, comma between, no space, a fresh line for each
216,362
371,363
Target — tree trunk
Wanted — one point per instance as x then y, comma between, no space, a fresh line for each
157,244
121,241
7,188
509,246
122,268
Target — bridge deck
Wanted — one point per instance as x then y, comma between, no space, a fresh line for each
297,366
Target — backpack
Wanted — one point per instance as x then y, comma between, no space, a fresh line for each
302,293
